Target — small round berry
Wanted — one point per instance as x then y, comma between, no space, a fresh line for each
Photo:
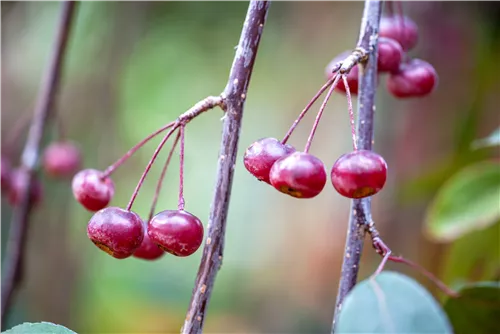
352,76
261,155
390,54
116,231
415,79
176,231
61,159
148,250
299,175
92,190
359,174
18,182
402,29
6,173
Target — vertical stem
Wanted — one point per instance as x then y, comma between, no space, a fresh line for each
12,270
360,215
234,94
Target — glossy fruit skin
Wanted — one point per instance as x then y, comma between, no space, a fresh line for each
359,174
299,175
390,55
92,190
261,155
176,231
416,78
116,231
18,182
6,173
61,159
148,250
406,34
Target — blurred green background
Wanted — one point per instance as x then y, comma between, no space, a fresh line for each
134,66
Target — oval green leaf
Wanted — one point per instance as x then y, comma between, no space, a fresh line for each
39,328
391,303
469,201
477,310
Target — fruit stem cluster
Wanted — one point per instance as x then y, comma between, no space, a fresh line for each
42,112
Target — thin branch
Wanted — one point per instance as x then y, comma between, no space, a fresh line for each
12,271
234,97
361,208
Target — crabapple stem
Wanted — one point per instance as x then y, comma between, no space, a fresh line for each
148,167
443,287
351,113
309,105
110,170
16,246
320,112
360,210
384,250
181,170
162,177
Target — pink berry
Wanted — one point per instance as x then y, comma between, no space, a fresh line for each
148,250
390,54
116,231
6,173
18,182
299,175
403,30
93,190
359,174
261,155
415,79
61,159
176,231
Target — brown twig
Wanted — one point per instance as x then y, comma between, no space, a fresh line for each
12,271
234,98
361,208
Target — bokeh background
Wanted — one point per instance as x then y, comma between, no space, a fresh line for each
134,66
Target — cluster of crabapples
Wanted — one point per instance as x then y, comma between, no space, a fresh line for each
60,160
407,77
121,232
360,173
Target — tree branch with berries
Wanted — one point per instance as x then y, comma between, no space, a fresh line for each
382,48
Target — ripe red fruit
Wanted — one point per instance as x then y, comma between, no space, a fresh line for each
6,173
299,175
148,250
359,174
18,182
261,155
92,190
116,231
402,29
390,54
61,159
415,79
176,231
352,77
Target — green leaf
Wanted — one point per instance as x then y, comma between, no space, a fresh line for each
39,328
477,310
469,201
492,140
391,303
